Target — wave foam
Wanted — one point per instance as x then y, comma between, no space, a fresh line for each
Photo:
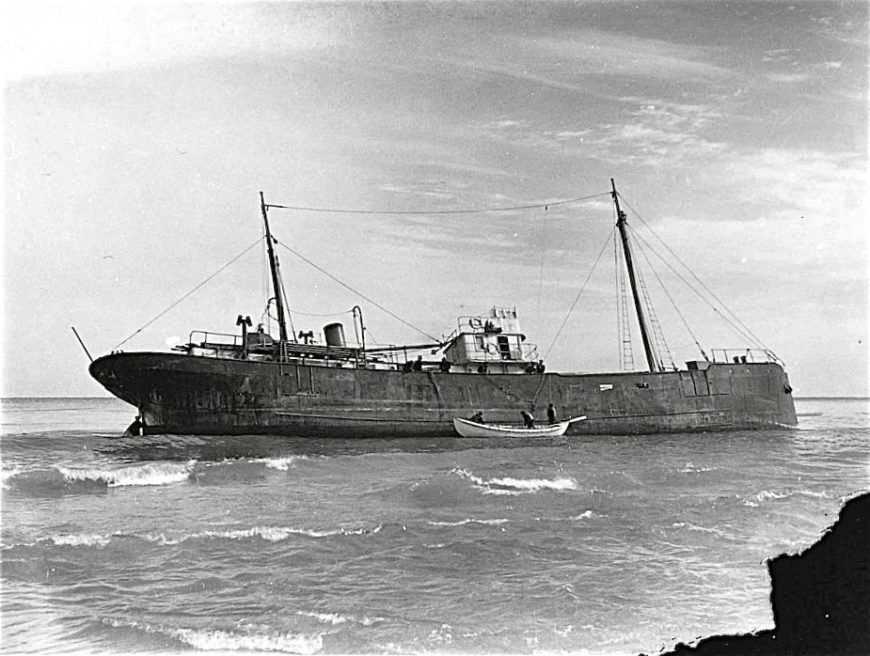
336,618
81,540
326,618
771,495
695,527
268,533
463,522
282,464
217,640
516,486
162,473
220,640
7,474
692,469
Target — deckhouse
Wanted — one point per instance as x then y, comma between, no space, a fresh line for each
491,343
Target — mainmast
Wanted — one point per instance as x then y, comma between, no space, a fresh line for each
276,276
651,358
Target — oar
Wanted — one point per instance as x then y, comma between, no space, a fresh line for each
580,418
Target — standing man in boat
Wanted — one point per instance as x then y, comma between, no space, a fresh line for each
551,414
528,419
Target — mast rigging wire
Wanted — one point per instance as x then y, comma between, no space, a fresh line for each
743,332
358,293
580,293
748,331
200,285
327,314
545,205
641,240
660,344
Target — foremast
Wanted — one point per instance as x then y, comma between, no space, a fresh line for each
645,332
276,276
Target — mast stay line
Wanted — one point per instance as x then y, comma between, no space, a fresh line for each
200,285
358,293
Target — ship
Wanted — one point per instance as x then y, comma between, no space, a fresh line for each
254,383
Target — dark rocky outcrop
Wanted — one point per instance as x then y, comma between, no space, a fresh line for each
820,598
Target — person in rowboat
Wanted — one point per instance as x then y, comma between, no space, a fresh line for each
528,419
551,414
477,418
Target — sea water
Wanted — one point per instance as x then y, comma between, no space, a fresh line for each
598,545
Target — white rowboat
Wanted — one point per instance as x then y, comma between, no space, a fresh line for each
467,428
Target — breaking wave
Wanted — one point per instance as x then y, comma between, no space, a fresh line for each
336,619
283,463
267,533
463,522
82,540
161,473
69,478
8,474
223,641
694,527
217,640
693,469
516,486
772,495
59,479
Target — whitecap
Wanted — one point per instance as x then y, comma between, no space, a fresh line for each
158,473
516,486
326,618
769,494
283,463
80,540
161,539
695,527
471,520
268,533
6,474
535,484
218,640
811,493
692,469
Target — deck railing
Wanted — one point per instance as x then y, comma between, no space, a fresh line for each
744,355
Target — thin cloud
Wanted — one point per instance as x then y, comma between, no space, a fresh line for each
659,134
84,37
611,53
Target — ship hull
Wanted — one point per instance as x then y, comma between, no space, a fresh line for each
186,394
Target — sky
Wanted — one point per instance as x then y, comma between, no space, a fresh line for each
137,137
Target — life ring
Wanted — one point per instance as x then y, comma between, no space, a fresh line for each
475,323
491,348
